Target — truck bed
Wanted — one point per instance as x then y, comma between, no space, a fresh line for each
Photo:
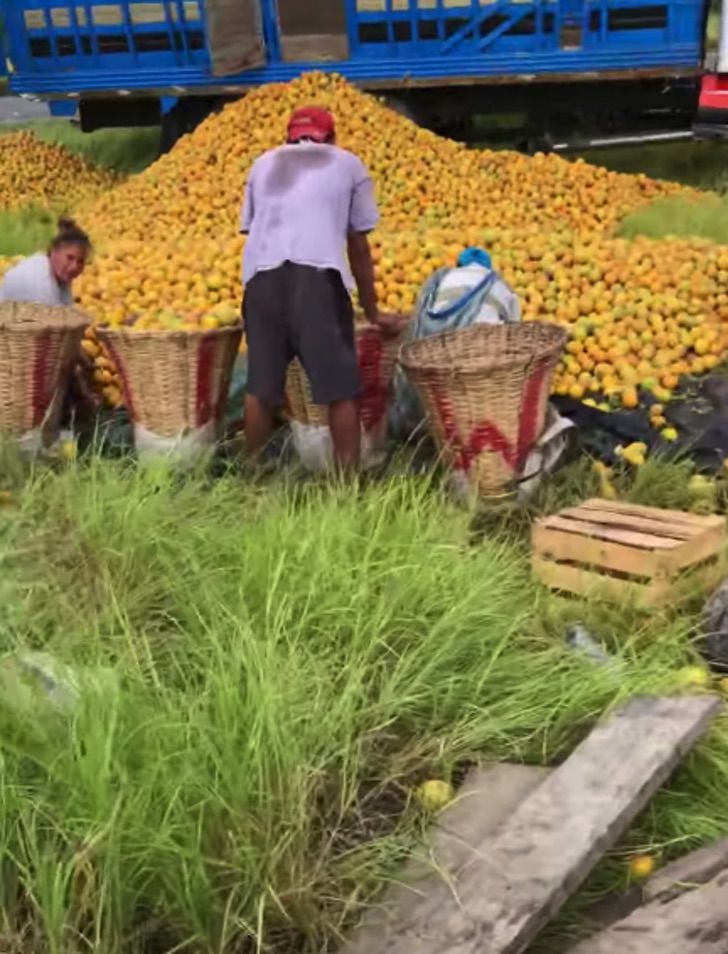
96,47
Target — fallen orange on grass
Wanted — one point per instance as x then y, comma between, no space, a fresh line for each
641,867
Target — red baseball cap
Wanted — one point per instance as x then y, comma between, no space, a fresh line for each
311,122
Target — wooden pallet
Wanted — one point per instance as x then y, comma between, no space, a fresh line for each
623,552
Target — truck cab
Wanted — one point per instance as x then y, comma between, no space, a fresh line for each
712,118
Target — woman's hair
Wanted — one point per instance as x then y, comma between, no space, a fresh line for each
70,233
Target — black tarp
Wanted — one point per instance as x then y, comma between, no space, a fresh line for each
699,413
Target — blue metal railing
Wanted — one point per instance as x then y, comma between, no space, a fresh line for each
67,46
48,36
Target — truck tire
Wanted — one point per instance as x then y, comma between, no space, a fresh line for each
404,107
170,133
185,117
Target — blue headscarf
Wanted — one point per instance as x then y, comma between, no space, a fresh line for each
475,256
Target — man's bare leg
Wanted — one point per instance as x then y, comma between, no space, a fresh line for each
258,425
345,427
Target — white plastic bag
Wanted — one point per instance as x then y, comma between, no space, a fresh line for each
34,682
33,444
315,448
546,454
186,449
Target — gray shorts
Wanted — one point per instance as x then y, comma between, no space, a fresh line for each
296,311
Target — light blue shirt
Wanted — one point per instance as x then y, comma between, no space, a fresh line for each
32,281
300,204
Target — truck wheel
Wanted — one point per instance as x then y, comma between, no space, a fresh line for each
403,107
171,132
185,117
537,143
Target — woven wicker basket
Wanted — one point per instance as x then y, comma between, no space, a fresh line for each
175,382
377,361
485,391
39,346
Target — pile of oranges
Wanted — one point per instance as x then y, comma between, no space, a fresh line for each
45,175
641,314
424,182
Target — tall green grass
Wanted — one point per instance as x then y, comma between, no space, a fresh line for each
705,217
700,164
26,231
290,662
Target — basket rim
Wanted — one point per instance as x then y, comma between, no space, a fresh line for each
56,317
490,362
128,334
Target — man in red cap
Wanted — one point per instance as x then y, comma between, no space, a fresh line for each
306,205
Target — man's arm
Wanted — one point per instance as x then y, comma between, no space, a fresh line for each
362,267
247,210
363,217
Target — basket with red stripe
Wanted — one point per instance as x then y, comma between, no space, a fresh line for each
377,357
175,385
39,347
485,392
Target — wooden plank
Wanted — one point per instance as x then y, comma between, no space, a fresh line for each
624,507
236,36
488,797
514,882
302,17
698,542
553,541
486,800
704,521
648,525
710,543
696,868
601,586
657,513
316,46
573,548
602,532
694,923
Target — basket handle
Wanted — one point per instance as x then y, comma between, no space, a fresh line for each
469,295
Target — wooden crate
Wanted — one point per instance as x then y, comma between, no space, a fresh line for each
623,552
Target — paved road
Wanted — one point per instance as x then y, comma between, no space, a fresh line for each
16,110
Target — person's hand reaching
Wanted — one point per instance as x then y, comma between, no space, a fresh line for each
391,325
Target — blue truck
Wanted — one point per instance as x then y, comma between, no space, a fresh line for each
600,66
